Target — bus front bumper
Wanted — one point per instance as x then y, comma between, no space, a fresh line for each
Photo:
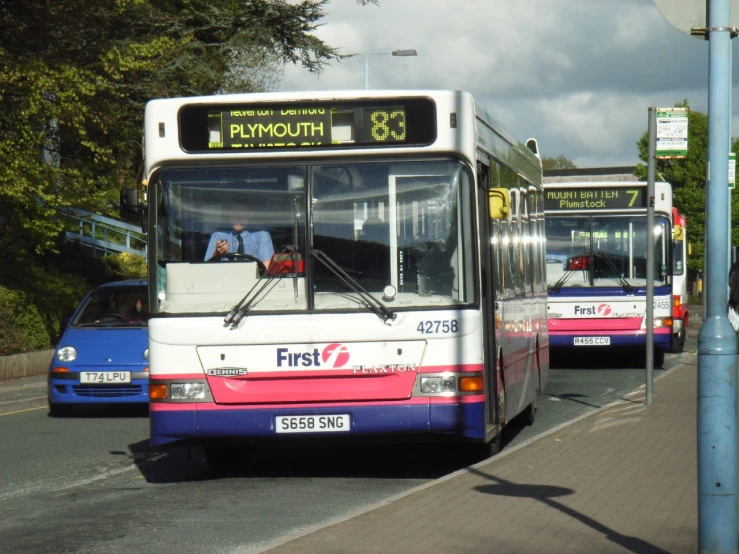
205,422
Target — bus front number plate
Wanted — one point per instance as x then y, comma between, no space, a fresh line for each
592,341
313,423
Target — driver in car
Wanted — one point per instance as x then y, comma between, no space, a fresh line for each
240,240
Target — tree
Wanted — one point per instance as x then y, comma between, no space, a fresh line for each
688,179
560,162
75,76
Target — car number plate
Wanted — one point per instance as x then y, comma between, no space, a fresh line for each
334,423
592,341
104,377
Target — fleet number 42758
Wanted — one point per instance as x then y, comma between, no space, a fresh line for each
435,326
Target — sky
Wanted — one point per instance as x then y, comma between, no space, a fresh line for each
577,75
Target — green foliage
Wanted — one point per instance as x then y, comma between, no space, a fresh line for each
22,327
688,179
560,162
75,76
125,266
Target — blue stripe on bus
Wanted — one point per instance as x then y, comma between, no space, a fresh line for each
620,292
629,341
466,420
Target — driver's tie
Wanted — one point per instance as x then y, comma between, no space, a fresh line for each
240,249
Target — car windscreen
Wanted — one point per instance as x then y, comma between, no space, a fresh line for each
114,307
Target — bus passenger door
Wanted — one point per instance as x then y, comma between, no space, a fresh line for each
495,212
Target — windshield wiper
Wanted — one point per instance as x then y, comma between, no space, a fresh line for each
382,311
568,273
612,266
239,310
561,281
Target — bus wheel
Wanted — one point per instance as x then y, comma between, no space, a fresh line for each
680,342
528,416
222,458
659,358
483,450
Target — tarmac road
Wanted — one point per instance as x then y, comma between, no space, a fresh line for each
91,483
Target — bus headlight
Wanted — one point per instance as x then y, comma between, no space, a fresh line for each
187,391
438,384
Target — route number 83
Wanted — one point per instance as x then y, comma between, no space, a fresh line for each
388,125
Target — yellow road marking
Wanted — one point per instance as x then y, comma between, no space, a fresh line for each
26,410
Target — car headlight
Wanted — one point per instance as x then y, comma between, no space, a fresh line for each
67,354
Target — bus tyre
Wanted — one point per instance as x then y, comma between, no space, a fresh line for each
221,458
528,416
679,341
659,358
484,450
60,410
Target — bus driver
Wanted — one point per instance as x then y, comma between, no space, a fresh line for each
240,240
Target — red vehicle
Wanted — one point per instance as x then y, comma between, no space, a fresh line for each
679,281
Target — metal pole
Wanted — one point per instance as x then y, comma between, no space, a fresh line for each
717,485
650,251
366,71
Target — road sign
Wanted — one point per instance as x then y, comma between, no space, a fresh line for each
688,16
672,133
732,170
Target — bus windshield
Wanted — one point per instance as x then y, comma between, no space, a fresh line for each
402,231
604,251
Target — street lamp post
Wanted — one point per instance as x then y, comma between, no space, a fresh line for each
410,52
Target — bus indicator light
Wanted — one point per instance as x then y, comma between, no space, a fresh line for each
157,392
471,384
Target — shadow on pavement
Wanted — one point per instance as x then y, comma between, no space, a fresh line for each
380,461
546,495
410,460
571,358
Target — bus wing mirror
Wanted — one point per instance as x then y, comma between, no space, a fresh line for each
499,203
130,201
690,249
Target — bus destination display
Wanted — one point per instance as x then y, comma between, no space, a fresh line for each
293,127
314,125
601,198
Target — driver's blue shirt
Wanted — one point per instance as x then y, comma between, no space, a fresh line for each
256,243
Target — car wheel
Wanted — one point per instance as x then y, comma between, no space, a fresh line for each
60,410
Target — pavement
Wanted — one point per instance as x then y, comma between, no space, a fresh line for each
619,479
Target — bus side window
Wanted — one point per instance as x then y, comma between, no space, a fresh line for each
515,244
505,249
495,249
527,245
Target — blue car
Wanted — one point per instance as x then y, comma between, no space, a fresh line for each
102,356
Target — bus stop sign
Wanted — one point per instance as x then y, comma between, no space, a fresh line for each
689,16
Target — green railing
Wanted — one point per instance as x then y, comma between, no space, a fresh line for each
103,234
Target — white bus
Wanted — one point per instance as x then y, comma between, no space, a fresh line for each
596,245
406,296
